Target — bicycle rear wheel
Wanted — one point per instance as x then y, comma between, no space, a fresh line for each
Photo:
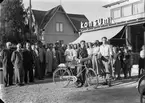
142,96
141,84
61,77
91,77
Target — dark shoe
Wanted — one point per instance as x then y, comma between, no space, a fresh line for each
6,85
11,84
21,84
31,81
104,83
95,87
78,84
85,85
109,83
118,78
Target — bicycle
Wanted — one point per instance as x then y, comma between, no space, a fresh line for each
64,75
141,88
142,96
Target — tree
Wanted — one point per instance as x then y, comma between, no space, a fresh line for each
1,1
13,20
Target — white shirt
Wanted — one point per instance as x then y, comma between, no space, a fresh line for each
106,50
69,54
74,53
142,54
90,51
96,50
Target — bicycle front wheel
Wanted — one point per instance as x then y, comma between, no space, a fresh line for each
142,96
141,84
61,77
91,77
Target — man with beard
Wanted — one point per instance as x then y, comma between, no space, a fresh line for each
7,65
28,63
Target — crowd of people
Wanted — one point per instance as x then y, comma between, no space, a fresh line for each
30,62
24,64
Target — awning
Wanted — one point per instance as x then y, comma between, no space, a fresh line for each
97,35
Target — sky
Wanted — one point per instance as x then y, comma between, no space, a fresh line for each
92,9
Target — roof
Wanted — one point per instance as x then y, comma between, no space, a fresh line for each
115,3
38,15
77,19
43,17
48,16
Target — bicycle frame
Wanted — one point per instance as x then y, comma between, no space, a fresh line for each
80,72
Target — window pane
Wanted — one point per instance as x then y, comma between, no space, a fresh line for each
117,13
127,10
57,27
61,27
138,8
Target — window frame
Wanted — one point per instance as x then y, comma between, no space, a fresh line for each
60,28
112,13
136,3
127,6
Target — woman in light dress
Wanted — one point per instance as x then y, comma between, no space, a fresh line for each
68,53
90,53
96,63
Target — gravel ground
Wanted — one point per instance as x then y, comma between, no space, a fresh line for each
41,92
47,92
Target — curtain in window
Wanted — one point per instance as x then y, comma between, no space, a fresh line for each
127,10
57,27
138,8
117,13
61,27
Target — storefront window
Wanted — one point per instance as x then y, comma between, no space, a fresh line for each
116,13
127,10
138,8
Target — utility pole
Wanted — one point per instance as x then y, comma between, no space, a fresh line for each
30,20
60,2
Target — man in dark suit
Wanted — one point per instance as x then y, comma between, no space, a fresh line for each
28,63
7,64
42,53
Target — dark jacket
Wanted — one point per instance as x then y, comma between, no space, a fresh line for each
42,54
6,58
82,53
28,58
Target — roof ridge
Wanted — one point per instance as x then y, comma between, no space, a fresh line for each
39,10
47,12
75,14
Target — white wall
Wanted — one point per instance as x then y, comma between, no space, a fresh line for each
130,17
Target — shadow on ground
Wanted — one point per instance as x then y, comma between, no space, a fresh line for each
123,91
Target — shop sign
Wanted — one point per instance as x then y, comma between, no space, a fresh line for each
99,22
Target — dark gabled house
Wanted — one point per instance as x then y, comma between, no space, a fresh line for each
55,24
